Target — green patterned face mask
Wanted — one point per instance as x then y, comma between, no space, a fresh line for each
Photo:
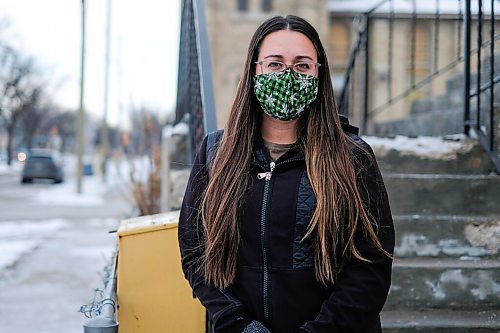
285,95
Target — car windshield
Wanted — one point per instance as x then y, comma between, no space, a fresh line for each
40,159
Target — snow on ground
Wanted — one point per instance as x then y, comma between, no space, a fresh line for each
432,147
66,194
21,237
18,238
93,187
5,169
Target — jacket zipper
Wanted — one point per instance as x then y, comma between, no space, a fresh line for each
263,228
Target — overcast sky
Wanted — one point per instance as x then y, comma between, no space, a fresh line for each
144,50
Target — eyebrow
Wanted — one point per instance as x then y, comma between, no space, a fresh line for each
300,57
274,56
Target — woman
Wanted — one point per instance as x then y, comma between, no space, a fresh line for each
285,225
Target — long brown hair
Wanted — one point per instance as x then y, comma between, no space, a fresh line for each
330,168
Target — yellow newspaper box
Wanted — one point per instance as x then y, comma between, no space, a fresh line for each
152,294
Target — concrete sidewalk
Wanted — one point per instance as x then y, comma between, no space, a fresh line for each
43,292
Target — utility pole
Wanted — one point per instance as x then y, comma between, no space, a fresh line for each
104,132
80,122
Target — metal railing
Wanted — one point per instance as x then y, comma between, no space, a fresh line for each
360,89
195,97
483,119
102,310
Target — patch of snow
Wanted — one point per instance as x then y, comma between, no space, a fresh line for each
11,229
18,238
426,146
487,285
140,168
6,169
179,129
12,250
100,222
437,290
456,277
93,188
65,194
93,251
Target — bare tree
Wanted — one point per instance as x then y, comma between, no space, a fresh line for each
35,115
146,132
65,123
19,90
146,139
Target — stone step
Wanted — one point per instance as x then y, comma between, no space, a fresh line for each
443,194
441,321
444,283
447,236
452,155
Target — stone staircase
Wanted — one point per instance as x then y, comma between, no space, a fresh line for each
446,209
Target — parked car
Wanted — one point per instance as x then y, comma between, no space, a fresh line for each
43,164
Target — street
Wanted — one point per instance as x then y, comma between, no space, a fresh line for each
54,245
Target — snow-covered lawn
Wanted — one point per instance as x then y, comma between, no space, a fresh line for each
18,238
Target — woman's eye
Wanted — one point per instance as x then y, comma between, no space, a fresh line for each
302,66
275,65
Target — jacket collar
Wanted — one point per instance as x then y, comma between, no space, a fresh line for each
263,159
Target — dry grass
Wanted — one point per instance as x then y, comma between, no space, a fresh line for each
147,194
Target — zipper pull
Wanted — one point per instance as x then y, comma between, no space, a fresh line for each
266,175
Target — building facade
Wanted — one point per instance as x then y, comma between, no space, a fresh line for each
406,46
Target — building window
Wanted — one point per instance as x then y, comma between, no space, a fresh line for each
339,44
418,63
242,5
339,53
266,6
419,54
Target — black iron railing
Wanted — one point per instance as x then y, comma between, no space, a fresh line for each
481,113
195,98
469,66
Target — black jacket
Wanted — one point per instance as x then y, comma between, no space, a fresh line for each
275,281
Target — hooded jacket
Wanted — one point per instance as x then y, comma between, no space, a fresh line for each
275,282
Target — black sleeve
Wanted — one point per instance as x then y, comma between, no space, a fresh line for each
361,288
226,312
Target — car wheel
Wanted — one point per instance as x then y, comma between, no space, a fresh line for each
58,181
26,180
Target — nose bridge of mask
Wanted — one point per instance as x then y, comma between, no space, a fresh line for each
288,79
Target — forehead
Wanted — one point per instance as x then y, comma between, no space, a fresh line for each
287,44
